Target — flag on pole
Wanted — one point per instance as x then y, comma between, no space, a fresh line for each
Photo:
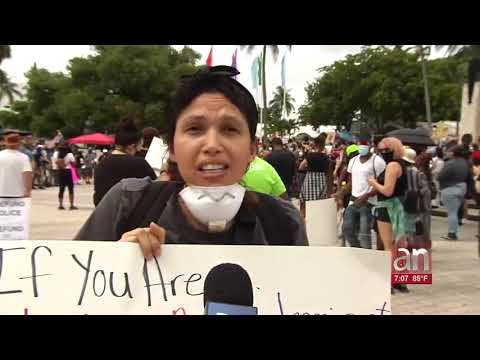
260,67
234,62
283,86
255,70
257,79
210,57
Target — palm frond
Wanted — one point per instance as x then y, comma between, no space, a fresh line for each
275,51
5,52
7,88
452,49
249,48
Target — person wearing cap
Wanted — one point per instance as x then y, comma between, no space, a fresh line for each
15,168
357,220
211,121
351,151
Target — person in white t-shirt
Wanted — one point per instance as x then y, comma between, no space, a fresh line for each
15,168
358,217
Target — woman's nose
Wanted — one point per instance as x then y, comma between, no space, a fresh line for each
213,143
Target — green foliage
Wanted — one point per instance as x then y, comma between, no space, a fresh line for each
8,119
274,113
380,86
97,91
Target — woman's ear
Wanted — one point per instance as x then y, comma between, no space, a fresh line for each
253,151
171,153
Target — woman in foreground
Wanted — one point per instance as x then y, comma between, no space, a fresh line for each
211,124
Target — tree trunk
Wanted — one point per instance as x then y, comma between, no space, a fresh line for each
264,91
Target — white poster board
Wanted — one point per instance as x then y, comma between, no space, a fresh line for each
157,154
321,222
81,277
15,218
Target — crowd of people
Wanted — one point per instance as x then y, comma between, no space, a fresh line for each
220,186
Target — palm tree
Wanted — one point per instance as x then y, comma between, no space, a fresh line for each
277,101
275,50
469,51
7,88
5,52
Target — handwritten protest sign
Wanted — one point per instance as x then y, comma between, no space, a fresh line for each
321,222
15,218
68,277
157,154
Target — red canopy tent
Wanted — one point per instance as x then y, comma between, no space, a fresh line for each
93,139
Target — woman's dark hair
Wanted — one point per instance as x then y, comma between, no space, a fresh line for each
210,80
63,150
439,152
459,151
319,142
127,133
173,172
377,138
277,142
148,134
467,139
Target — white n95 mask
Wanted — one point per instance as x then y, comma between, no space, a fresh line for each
213,206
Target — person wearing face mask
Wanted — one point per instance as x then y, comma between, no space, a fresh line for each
121,163
392,221
357,220
211,122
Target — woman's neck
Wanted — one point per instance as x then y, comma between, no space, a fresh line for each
119,152
197,225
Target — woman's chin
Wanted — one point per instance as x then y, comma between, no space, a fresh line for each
213,181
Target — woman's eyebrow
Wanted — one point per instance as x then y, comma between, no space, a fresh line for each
193,118
231,118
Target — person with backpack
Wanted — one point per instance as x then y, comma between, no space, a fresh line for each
357,219
211,121
393,222
40,160
426,192
453,186
63,159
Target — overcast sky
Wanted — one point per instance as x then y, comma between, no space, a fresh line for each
301,63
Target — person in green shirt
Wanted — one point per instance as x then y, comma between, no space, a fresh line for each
262,177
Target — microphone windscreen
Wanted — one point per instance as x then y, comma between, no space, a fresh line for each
228,284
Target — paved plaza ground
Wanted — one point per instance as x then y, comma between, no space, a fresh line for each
456,265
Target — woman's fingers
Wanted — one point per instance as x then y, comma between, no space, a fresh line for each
150,239
131,236
145,241
159,238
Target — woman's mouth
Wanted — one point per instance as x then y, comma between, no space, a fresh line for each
213,169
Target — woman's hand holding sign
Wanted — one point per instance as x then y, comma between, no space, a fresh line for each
150,239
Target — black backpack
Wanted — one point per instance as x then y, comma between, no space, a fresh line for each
37,155
276,225
413,200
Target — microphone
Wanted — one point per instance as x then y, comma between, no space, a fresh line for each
227,290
